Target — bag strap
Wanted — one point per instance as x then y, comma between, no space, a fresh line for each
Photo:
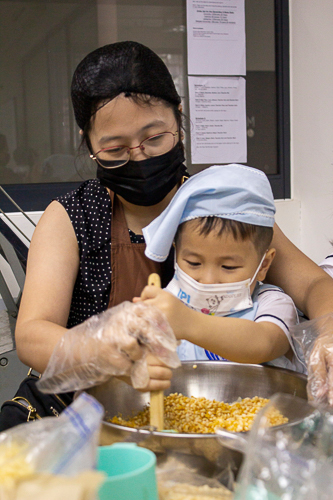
31,374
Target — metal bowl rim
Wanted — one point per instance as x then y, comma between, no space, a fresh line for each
252,365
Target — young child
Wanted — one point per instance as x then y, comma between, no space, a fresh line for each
221,224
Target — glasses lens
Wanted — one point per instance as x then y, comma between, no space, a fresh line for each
158,144
113,157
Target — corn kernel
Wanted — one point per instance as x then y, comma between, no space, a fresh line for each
202,416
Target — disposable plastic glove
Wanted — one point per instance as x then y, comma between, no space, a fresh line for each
113,343
316,340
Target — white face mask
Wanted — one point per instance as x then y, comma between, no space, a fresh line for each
218,299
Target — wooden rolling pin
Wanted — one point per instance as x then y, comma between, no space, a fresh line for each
156,397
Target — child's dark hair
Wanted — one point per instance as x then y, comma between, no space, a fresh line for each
260,236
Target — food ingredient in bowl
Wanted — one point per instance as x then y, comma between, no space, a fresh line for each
201,416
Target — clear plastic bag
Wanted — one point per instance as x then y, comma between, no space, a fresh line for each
315,338
179,481
113,343
65,445
292,461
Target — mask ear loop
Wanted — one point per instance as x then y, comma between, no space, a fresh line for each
258,268
174,254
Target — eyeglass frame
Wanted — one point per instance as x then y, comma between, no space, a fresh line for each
128,149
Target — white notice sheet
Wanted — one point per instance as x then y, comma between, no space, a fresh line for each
218,119
216,37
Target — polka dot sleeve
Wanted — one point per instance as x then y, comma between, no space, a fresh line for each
89,209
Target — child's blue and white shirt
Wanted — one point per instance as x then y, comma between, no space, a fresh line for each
270,303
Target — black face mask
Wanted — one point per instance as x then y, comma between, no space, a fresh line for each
145,182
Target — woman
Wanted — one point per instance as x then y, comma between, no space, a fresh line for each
129,113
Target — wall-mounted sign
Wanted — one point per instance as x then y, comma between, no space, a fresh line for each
216,37
218,118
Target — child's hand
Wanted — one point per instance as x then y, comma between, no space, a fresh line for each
159,375
177,313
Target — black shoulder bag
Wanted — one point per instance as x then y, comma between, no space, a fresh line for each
31,404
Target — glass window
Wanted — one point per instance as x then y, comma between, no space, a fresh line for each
41,43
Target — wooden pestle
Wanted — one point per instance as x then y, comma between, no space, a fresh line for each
156,397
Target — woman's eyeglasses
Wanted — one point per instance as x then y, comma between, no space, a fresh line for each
117,156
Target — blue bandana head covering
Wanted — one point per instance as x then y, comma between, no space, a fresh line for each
235,192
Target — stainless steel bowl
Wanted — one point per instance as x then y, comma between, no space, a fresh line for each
214,380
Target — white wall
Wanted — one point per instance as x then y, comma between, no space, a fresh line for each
311,68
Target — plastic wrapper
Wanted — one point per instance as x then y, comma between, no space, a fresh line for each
113,343
82,486
291,461
63,445
32,454
179,481
316,340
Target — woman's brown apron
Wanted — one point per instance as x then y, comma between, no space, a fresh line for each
129,265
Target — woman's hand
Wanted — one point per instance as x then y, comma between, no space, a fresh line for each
116,342
320,370
177,313
316,340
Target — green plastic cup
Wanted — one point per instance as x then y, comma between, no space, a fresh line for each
130,472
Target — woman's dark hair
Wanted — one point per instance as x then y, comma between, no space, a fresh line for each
122,67
260,236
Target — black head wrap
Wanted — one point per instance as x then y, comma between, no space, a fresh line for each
119,67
